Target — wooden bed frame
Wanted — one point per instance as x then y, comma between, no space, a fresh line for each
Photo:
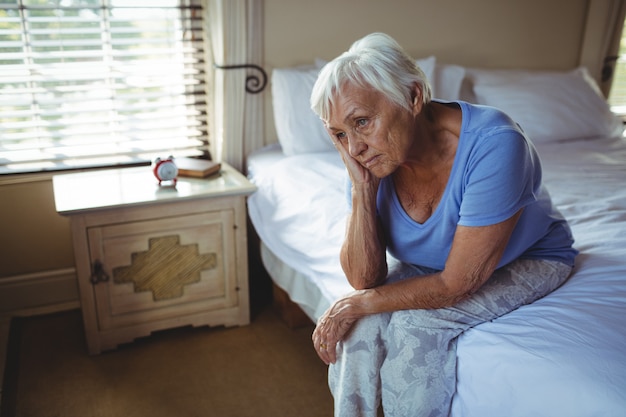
288,311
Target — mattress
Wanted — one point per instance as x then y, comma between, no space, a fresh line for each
564,355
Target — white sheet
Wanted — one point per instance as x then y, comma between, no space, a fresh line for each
564,355
299,213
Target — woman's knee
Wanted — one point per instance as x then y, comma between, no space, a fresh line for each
366,336
430,320
369,327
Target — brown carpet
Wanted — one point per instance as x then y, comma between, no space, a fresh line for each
264,369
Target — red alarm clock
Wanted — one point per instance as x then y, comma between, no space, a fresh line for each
165,170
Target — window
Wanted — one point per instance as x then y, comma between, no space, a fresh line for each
90,83
617,95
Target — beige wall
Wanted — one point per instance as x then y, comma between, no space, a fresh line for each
531,34
490,33
34,237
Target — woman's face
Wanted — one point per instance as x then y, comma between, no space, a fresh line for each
376,132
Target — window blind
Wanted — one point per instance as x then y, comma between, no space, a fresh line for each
90,83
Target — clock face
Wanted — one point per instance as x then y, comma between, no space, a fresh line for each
167,170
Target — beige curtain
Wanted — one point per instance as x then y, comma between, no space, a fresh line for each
236,38
603,30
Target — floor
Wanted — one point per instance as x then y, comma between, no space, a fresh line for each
264,369
259,285
5,327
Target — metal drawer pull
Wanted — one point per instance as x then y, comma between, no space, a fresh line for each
98,274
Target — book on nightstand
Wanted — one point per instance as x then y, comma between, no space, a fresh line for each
193,167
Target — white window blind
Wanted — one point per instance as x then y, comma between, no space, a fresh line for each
90,83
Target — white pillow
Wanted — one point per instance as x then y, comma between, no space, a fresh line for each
428,65
447,82
549,106
298,128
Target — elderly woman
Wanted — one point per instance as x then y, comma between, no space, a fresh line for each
449,227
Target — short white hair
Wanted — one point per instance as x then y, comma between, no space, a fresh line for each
376,61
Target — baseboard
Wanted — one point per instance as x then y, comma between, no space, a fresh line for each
39,293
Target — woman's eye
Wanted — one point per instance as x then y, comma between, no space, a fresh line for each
340,135
361,122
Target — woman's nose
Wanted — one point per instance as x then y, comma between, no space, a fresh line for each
356,145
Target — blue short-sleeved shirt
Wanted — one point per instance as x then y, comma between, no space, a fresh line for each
496,172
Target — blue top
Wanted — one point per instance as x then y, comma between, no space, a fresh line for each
496,172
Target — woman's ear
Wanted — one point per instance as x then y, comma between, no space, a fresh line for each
417,103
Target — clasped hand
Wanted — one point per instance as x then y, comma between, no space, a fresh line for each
333,326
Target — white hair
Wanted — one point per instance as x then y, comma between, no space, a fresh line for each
376,61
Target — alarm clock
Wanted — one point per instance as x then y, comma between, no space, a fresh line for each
165,170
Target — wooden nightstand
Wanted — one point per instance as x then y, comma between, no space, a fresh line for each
151,257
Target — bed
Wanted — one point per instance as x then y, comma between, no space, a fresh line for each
564,355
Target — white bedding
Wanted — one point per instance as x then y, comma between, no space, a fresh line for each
564,355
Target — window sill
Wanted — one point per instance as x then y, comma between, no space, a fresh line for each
8,178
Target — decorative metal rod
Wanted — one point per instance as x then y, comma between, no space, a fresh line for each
254,85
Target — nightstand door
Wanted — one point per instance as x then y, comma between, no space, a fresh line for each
163,268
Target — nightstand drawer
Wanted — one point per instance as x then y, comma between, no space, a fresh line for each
156,268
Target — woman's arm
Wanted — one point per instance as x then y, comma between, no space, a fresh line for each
473,258
363,253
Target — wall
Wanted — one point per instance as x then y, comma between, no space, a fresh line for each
36,257
34,237
531,34
491,33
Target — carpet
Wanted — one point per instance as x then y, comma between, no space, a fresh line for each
264,369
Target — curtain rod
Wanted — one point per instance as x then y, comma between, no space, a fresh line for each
254,85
